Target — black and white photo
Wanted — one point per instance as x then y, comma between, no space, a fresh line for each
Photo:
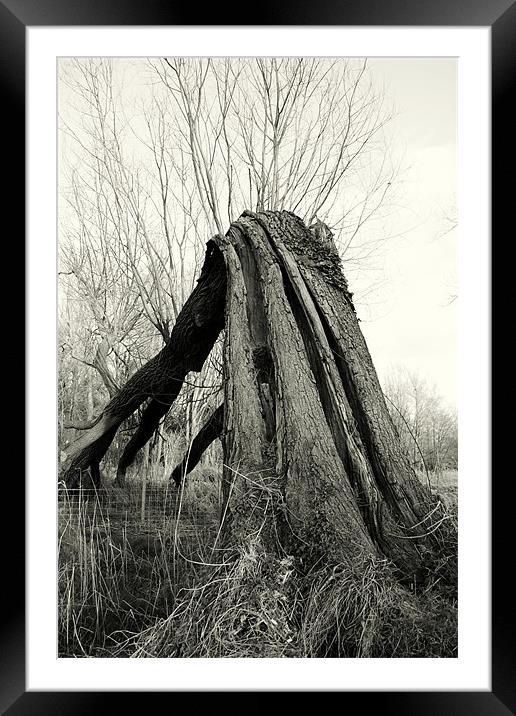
257,343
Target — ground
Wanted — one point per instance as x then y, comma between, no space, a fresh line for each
154,582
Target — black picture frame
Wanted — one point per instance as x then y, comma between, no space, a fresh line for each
500,16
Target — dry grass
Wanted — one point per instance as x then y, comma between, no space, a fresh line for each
239,609
365,613
163,587
118,574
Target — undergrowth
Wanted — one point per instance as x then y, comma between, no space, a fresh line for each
165,587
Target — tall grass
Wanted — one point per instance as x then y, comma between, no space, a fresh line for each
119,573
159,585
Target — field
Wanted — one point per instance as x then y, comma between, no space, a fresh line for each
145,576
445,484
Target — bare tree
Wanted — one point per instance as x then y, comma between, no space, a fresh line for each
305,134
125,267
427,427
109,213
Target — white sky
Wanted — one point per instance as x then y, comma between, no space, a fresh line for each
414,323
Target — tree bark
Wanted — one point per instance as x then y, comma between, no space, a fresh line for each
312,460
159,380
210,431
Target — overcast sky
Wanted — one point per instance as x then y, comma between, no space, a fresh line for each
414,323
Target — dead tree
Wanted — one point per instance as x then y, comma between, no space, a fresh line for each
312,461
159,381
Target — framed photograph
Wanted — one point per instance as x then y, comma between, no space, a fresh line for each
258,290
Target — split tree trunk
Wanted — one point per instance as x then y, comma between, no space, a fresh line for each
313,465
159,381
312,458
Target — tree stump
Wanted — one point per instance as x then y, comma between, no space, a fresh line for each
313,465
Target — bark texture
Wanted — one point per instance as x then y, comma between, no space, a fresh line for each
312,459
210,431
158,381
